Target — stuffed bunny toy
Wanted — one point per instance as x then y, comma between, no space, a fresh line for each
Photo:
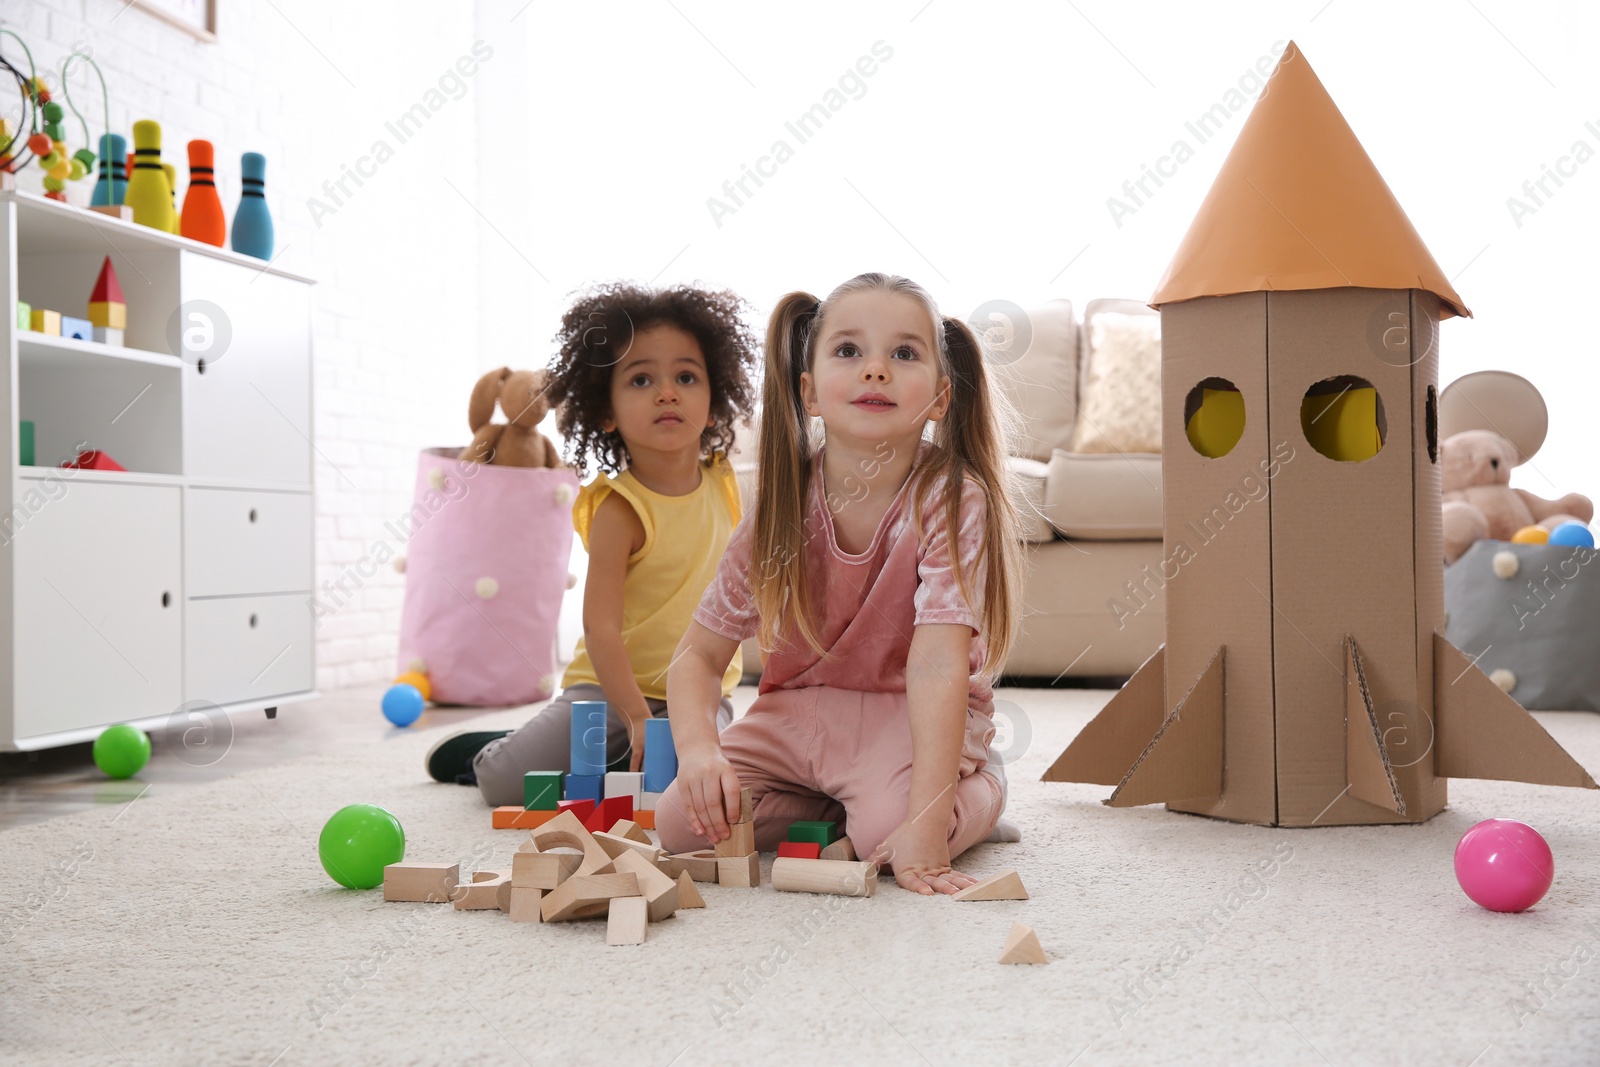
518,443
1475,468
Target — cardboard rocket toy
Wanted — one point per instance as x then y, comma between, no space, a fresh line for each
1304,680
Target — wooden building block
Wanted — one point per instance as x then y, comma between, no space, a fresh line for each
1022,946
502,896
799,850
47,322
746,808
740,842
624,784
616,846
584,896
564,831
482,893
840,877
108,335
702,865
610,811
841,849
646,818
658,890
532,819
525,904
431,883
543,870
688,895
580,808
743,872
112,314
647,801
76,328
822,832
631,830
116,211
627,921
541,790
1006,885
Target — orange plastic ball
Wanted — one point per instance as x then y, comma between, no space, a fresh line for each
418,679
40,144
1531,535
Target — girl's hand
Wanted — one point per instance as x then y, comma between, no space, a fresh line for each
635,743
707,785
920,857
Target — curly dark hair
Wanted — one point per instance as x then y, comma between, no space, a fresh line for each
594,336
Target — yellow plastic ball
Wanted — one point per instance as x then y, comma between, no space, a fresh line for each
1531,535
419,680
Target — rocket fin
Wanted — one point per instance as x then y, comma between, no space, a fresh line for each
1184,759
1111,742
1367,767
1480,732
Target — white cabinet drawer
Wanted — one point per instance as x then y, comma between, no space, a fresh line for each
239,648
99,606
239,542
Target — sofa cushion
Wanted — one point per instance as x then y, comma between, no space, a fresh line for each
1038,373
1111,497
1031,476
1120,395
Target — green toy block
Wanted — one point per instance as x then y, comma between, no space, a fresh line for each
25,442
24,315
823,833
541,790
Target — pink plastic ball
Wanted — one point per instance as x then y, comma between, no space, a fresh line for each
1504,865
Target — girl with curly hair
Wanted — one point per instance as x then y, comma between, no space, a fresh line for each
648,384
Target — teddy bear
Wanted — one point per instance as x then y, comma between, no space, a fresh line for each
517,443
1475,471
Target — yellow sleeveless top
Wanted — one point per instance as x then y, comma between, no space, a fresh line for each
684,538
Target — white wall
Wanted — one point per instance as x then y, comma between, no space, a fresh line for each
978,159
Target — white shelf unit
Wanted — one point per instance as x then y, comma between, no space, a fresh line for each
185,582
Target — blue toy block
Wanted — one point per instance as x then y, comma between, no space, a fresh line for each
585,787
660,755
541,790
81,329
588,737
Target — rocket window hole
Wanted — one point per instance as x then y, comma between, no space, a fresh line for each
1431,417
1342,418
1213,417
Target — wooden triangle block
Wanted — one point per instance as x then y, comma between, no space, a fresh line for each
1184,759
1482,733
1366,767
688,895
1104,749
1022,946
1007,885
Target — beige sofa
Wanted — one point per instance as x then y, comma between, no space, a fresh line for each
1092,600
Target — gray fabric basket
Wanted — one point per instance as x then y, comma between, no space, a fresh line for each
1542,623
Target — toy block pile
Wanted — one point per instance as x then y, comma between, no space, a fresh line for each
108,313
596,797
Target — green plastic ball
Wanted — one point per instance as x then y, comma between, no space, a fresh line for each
358,842
121,751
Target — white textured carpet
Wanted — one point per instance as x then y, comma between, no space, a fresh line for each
198,928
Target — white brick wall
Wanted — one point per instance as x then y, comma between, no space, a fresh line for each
311,85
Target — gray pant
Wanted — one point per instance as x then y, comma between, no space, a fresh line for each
544,743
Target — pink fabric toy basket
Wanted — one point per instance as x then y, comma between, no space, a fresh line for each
485,572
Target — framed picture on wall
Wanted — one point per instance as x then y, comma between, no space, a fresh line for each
198,17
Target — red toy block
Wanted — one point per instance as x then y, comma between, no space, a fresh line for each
611,809
800,850
90,460
581,808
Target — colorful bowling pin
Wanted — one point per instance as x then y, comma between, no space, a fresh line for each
148,192
252,225
112,184
171,173
202,219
